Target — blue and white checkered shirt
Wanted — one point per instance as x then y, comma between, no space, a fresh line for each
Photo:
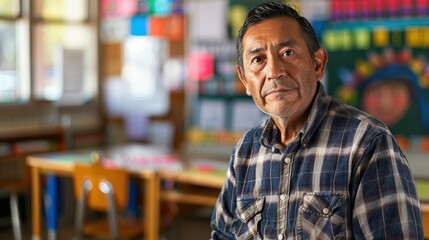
343,177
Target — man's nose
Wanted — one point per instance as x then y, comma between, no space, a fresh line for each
274,68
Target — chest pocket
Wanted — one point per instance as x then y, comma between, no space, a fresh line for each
322,216
248,215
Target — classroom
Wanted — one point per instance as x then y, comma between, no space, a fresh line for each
152,89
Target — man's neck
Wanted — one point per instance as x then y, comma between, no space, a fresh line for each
289,127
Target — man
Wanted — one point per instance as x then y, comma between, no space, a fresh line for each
317,168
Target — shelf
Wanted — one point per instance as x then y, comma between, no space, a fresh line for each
30,134
18,144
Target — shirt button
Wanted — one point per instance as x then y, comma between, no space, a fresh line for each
288,160
325,211
282,197
280,237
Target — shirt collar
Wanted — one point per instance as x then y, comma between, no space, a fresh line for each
270,137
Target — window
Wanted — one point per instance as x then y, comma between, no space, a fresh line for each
48,52
14,81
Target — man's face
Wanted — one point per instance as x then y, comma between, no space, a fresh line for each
278,71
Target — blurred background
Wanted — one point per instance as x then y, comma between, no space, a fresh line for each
102,73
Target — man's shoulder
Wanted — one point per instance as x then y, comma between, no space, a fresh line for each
341,110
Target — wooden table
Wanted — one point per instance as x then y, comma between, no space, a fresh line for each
61,164
203,185
425,216
202,188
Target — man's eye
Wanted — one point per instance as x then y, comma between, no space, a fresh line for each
256,60
288,53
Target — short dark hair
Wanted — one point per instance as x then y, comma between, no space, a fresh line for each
268,10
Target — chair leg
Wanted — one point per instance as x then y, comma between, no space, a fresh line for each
15,216
79,216
113,218
80,208
107,188
52,234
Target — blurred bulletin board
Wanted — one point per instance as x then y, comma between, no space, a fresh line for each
207,21
383,69
237,12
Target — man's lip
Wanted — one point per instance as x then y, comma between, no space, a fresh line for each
278,90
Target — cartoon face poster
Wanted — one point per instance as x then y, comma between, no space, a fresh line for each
385,74
392,86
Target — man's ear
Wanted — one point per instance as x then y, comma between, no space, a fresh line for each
321,58
243,80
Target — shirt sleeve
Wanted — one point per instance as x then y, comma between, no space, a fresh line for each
386,205
223,214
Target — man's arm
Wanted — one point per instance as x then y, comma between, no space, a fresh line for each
223,214
386,205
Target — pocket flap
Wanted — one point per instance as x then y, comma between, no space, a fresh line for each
323,203
247,208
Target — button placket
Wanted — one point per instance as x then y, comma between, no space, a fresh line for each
283,197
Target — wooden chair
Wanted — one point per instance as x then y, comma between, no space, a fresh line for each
104,189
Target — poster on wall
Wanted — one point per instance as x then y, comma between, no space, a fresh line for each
237,12
384,72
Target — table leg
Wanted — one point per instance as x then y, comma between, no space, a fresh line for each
52,206
425,216
35,200
152,207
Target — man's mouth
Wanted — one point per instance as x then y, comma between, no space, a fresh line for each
277,91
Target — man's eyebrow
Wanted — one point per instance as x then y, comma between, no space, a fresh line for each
280,44
287,43
254,51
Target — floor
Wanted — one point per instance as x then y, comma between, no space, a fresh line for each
192,226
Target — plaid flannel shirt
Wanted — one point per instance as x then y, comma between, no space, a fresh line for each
343,177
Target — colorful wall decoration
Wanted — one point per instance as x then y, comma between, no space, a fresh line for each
383,70
376,9
237,12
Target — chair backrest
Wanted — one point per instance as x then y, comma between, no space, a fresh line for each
96,174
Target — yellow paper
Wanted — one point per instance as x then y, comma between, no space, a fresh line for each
381,37
329,40
362,38
346,40
237,14
412,37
